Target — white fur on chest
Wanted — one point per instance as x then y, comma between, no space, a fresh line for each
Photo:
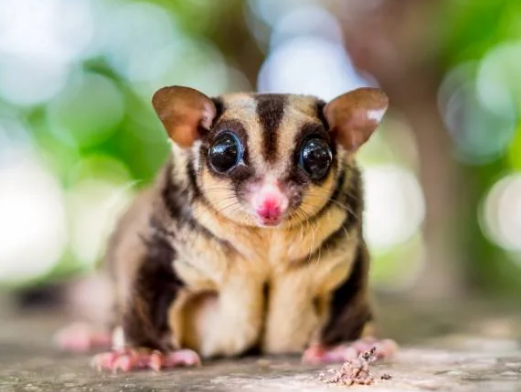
238,317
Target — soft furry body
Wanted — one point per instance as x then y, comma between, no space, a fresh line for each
188,276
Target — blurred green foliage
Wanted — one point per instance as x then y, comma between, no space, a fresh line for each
101,124
484,36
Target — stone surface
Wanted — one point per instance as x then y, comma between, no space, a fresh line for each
455,362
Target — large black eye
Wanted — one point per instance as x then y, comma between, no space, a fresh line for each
315,158
225,152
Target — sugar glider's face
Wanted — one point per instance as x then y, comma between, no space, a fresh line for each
268,159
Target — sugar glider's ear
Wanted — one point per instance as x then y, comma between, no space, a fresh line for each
184,112
354,116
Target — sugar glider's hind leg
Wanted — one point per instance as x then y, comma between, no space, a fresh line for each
350,329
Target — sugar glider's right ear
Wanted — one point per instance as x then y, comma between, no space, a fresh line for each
184,112
354,116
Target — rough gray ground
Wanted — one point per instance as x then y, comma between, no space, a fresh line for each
484,358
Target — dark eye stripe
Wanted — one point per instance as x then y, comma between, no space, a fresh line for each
270,111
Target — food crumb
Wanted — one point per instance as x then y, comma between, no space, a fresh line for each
354,371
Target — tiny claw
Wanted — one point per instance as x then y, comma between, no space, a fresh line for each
104,360
123,363
155,362
133,359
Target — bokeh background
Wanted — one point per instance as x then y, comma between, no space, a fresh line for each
78,136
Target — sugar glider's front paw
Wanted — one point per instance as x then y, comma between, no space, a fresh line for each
319,354
137,359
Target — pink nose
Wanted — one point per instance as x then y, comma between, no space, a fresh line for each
270,209
269,203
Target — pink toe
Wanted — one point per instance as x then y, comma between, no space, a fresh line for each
132,359
386,348
182,358
155,362
123,363
103,361
313,355
341,353
363,345
317,354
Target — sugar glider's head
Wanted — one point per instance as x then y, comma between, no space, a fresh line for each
268,159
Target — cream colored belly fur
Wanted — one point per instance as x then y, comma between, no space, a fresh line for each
222,310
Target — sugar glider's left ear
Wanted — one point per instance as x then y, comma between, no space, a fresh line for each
184,112
354,116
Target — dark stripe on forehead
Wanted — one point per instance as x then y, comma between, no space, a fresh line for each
270,110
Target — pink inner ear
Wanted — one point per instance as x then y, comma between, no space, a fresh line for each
183,111
353,117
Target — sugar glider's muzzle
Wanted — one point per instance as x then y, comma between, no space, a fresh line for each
269,203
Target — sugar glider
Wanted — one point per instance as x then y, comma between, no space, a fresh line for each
250,238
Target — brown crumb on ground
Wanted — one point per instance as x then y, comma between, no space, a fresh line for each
355,371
